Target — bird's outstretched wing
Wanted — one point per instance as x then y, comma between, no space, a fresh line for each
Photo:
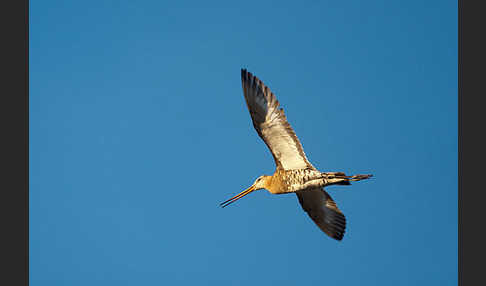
271,124
323,211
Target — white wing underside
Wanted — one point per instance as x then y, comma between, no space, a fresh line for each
271,124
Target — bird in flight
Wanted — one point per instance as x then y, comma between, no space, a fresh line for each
294,173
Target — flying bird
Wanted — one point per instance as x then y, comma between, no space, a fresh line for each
294,173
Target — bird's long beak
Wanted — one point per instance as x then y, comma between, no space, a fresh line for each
237,197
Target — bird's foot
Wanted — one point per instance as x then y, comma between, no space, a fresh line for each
360,177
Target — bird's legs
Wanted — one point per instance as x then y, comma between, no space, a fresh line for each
339,178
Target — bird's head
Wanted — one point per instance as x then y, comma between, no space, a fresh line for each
259,184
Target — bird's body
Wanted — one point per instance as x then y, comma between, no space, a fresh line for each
291,181
294,173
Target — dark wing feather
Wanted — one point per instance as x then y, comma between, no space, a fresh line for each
271,124
323,211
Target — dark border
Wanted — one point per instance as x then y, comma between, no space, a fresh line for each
460,199
14,135
471,143
14,212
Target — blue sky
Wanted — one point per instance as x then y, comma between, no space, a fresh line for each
138,130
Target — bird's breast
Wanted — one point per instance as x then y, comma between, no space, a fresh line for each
290,181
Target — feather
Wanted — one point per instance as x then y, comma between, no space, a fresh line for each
323,211
271,124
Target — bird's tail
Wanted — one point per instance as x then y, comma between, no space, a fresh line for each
339,178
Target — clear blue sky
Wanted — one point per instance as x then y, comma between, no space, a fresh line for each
139,129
